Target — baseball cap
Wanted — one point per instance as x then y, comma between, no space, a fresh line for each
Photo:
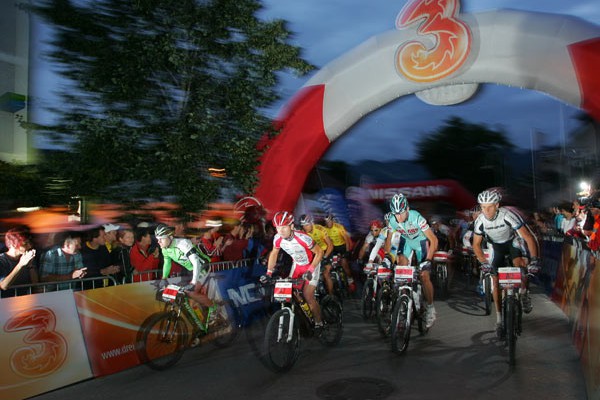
111,227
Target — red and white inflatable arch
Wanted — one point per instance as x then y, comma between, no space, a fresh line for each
441,56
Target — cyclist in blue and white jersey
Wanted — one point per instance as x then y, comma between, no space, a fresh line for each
417,236
499,226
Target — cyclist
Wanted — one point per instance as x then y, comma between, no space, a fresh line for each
499,226
417,236
342,245
305,255
184,253
319,235
375,228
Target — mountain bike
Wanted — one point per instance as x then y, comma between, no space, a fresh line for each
294,320
509,279
468,264
440,272
339,279
486,287
409,305
385,297
164,336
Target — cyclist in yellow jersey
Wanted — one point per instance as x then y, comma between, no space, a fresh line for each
319,234
342,245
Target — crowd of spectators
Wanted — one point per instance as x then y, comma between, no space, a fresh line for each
114,254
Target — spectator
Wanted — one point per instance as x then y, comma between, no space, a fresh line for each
17,264
110,236
63,262
96,257
120,255
236,242
143,257
569,221
210,242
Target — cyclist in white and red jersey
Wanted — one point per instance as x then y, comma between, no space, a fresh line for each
499,226
306,256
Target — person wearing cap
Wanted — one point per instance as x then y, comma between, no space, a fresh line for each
319,234
110,236
342,245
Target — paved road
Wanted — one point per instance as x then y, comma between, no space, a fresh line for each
459,358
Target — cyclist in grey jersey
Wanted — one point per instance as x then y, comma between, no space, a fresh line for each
500,226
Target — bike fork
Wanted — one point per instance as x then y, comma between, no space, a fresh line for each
282,328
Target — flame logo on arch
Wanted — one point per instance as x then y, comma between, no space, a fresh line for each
452,40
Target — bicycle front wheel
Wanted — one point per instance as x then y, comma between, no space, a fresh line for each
384,311
487,294
401,324
161,340
281,343
511,329
442,280
331,311
367,305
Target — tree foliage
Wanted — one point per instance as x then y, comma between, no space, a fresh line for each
163,90
467,152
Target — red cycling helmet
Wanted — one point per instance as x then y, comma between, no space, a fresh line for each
283,218
376,224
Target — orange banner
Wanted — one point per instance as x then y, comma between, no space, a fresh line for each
110,318
42,345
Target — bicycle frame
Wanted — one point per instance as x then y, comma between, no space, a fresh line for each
288,292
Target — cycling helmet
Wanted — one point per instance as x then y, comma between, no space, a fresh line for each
376,223
488,197
283,218
329,217
388,216
306,219
163,230
398,203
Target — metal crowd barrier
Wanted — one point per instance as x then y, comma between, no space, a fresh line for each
74,284
103,281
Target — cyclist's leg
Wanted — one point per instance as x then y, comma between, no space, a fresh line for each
497,261
327,278
420,249
309,295
200,295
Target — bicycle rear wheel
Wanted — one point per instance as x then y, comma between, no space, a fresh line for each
487,294
442,280
161,340
384,310
281,343
401,324
227,324
331,311
367,305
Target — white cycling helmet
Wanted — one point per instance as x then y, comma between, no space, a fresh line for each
306,219
488,197
398,203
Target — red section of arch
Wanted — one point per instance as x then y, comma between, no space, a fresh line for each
294,152
586,59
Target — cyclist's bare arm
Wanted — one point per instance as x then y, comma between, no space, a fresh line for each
477,239
272,259
433,243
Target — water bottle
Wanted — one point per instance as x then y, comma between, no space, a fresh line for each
306,308
197,310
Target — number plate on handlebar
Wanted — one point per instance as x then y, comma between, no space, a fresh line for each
383,272
282,291
169,294
404,273
509,276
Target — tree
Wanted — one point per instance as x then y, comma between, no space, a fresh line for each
470,153
163,90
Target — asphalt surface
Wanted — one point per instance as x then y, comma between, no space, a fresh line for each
459,358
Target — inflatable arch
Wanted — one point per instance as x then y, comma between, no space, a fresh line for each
441,56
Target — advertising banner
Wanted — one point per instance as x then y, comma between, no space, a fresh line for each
42,345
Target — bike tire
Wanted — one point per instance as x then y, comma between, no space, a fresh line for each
511,330
442,280
401,325
384,311
227,326
331,312
161,340
281,352
487,294
367,306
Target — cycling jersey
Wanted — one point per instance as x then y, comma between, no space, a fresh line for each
184,253
412,236
318,234
337,234
501,229
380,241
298,246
